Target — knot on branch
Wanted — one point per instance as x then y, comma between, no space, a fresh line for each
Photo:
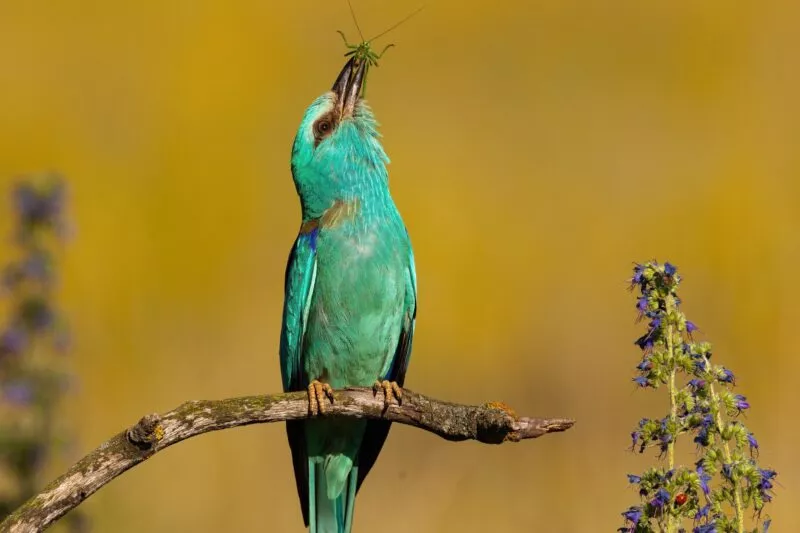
146,433
496,423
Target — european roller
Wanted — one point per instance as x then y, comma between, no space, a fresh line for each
350,298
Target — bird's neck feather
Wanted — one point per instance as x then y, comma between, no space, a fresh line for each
353,168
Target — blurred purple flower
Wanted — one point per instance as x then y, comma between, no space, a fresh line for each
37,314
18,393
37,266
13,341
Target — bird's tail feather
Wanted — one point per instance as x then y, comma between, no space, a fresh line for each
325,514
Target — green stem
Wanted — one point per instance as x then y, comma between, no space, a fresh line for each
673,407
726,453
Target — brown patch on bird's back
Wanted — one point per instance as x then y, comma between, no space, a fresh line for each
339,212
308,226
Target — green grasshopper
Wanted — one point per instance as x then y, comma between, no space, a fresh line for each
363,52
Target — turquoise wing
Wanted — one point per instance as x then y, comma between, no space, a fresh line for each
301,273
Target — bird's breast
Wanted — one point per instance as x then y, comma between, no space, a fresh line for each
356,308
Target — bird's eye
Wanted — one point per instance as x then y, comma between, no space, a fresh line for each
323,127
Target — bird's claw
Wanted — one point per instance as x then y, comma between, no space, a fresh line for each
391,391
318,396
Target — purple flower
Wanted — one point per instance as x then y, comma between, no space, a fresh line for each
641,304
635,435
633,515
645,342
634,479
704,479
708,528
740,402
638,274
669,269
726,376
641,381
661,499
751,439
646,364
767,523
727,470
702,512
697,384
690,327
700,365
765,485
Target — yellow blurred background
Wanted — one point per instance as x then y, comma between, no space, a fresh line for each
538,149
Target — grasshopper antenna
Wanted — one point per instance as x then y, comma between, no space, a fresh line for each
390,28
353,13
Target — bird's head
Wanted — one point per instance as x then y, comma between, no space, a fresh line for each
337,154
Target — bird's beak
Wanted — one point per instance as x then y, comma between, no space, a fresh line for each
348,87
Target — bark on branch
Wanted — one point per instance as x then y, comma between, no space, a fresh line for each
491,423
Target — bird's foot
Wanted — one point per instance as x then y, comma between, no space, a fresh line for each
318,396
391,391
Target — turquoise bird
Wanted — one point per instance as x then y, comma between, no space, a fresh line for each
350,298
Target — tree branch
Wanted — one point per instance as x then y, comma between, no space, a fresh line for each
491,423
